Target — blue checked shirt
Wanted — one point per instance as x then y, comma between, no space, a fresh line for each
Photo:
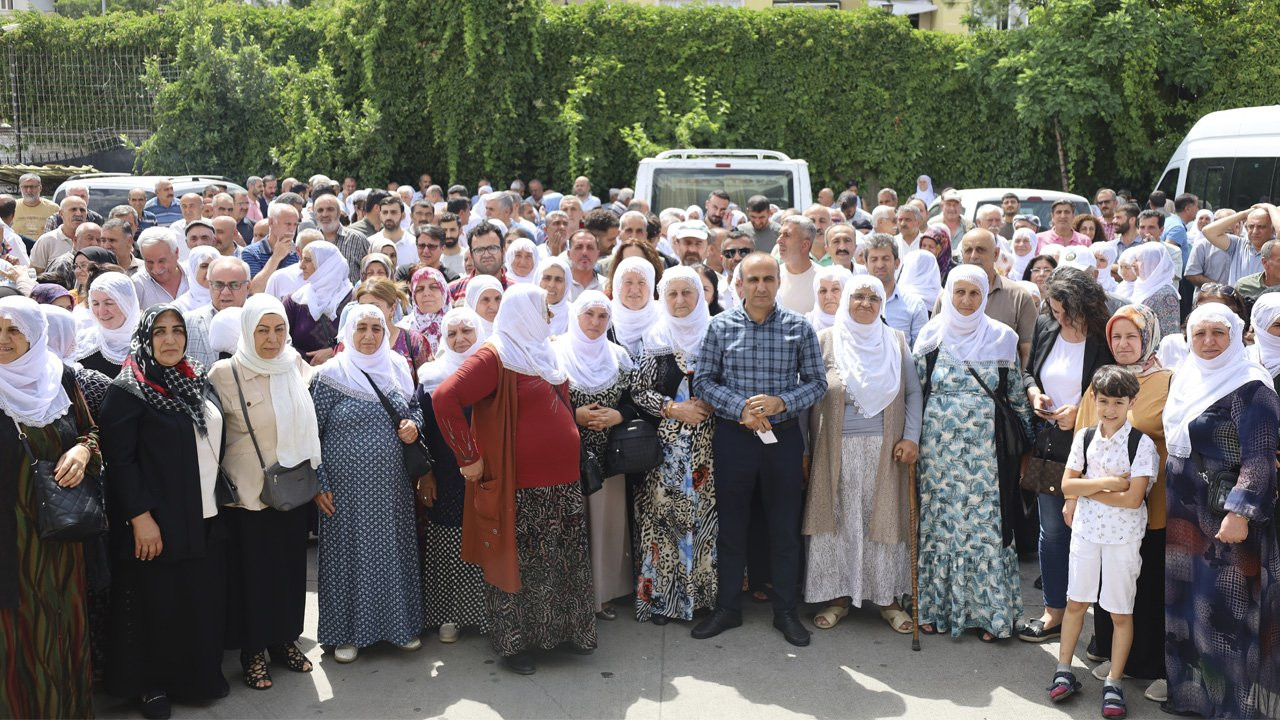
740,359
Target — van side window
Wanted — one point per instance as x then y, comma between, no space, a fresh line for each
1169,183
1251,182
1207,178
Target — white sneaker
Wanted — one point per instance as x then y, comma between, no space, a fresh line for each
412,645
449,633
1157,691
1104,669
346,653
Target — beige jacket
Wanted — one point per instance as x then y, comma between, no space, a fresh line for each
240,461
889,514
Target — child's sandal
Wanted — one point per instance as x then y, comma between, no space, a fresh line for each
1113,707
1064,686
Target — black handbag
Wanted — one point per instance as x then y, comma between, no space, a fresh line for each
417,458
633,448
1218,484
1009,436
590,476
283,488
1048,461
65,514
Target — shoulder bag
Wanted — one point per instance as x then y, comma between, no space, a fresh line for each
1218,483
633,448
417,458
65,514
1048,461
590,476
1010,439
283,488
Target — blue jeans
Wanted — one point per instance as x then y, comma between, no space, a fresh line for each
1055,548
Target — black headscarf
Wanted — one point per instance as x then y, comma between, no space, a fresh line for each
100,255
179,388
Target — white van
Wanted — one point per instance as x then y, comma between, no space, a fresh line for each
1230,158
680,178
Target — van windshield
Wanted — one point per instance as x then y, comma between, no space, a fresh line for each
682,187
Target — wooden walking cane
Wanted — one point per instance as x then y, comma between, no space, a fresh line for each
915,559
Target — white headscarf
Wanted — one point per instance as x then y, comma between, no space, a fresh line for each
817,318
559,311
197,295
1155,270
113,344
476,288
592,365
297,434
1020,262
1198,383
1105,250
867,356
62,334
432,374
927,194
1053,250
919,276
1032,288
684,334
224,330
328,287
526,245
1125,288
1266,347
387,368
630,326
973,339
522,336
31,387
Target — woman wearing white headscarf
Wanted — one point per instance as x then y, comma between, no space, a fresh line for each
1126,266
1265,320
634,309
828,283
1105,255
62,342
920,276
453,590
924,190
113,305
864,433
43,617
1024,249
553,275
968,494
1155,285
675,513
224,332
312,310
266,548
600,374
1222,605
370,580
522,261
197,294
484,296
523,522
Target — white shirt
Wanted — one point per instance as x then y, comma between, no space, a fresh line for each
49,246
576,289
457,264
1104,524
14,246
207,456
1060,375
905,247
795,292
151,293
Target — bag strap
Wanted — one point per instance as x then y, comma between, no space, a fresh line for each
1001,404
22,438
386,404
1089,432
930,360
244,409
1135,437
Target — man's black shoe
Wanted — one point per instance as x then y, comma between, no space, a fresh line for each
520,663
792,629
719,621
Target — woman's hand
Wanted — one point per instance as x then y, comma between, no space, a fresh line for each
147,544
603,418
408,432
690,412
1069,511
324,501
906,452
473,472
427,489
71,466
1065,416
584,415
318,357
1234,529
1041,404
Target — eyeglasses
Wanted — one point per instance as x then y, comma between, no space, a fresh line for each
487,250
428,246
739,252
864,299
233,286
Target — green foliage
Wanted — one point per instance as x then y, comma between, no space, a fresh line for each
505,88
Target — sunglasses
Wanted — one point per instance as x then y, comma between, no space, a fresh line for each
739,252
1218,289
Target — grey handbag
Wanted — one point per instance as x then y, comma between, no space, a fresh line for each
283,488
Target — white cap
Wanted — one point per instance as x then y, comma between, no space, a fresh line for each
688,228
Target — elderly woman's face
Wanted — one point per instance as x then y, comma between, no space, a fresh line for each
428,296
553,282
1022,244
169,339
931,246
681,298
82,264
488,304
307,264
1128,270
270,336
1126,342
1209,340
368,335
374,269
13,344
829,296
635,291
460,338
1040,273
105,309
966,297
522,263
593,321
864,306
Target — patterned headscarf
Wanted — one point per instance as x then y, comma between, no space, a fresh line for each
46,293
1144,318
942,236
179,388
428,324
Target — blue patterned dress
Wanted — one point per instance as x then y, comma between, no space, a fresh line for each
370,579
968,579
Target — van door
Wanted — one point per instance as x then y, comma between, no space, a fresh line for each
1251,182
1207,179
1169,183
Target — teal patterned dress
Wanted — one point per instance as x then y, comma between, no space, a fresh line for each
967,578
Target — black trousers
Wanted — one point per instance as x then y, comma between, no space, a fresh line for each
744,463
1146,657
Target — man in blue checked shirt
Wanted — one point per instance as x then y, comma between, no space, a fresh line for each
760,366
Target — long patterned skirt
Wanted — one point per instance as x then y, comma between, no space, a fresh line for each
554,604
847,562
452,590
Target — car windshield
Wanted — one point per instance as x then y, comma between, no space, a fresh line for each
682,187
1040,207
101,200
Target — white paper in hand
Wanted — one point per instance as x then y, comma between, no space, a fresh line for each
767,437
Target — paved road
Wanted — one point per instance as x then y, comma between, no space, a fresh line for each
860,669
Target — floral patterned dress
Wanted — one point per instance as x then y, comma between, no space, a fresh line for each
968,579
675,513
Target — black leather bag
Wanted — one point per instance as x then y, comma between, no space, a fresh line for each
1048,461
283,488
1010,439
633,448
65,514
417,458
590,475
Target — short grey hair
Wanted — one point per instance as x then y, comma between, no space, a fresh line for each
76,185
275,208
155,236
87,226
891,192
29,176
883,212
233,261
313,233
671,215
632,214
805,224
121,211
1267,247
625,195
987,210
114,222
503,199
913,210
875,241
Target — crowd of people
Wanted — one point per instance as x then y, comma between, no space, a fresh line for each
660,412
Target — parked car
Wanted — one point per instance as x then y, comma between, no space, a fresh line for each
107,190
1230,158
680,178
1034,202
